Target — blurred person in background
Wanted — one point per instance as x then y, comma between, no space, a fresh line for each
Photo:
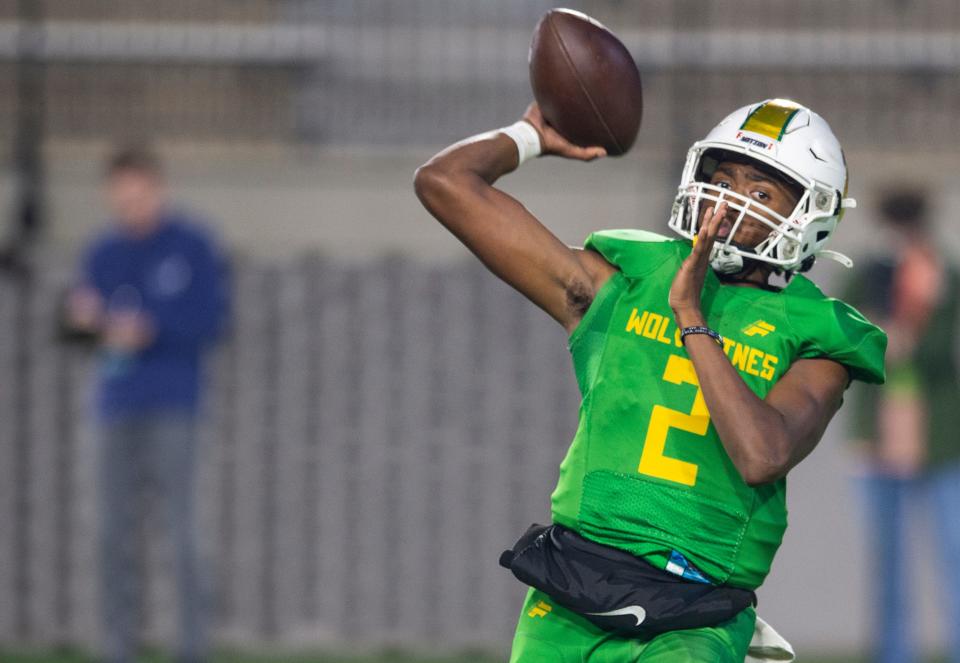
152,292
908,429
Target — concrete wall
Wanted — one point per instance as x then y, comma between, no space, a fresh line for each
359,204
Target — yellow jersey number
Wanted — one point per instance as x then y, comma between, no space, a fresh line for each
653,462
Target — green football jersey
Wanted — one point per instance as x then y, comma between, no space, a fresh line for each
646,471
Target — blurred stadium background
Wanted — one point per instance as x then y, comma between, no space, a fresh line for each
386,417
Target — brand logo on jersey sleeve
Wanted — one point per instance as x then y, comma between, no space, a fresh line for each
759,328
542,609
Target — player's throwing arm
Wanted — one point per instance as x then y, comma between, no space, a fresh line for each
587,85
456,186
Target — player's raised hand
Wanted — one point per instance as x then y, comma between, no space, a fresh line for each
553,143
688,283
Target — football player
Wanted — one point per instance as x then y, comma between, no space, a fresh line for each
703,383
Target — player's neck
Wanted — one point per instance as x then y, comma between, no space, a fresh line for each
753,276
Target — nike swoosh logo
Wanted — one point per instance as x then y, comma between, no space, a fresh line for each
635,610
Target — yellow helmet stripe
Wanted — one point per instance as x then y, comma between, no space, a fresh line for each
771,118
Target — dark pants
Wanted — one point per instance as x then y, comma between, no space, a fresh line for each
154,451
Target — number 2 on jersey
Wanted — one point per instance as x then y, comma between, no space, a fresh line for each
653,462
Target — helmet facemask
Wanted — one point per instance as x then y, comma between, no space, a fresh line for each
790,144
787,245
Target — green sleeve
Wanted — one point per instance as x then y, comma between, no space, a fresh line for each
837,331
832,329
636,252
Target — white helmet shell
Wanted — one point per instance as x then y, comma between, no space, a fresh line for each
799,145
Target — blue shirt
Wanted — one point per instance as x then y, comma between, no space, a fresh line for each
176,277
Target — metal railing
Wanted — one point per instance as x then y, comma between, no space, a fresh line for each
377,72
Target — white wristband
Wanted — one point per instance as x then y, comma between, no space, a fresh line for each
527,139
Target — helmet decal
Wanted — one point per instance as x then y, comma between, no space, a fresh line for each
771,118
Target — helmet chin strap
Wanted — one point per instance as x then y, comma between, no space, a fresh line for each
734,264
734,268
725,262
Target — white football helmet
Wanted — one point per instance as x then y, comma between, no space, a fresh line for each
798,145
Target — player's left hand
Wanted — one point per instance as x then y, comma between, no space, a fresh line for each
688,283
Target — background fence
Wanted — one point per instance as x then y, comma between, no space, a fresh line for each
385,417
375,72
373,444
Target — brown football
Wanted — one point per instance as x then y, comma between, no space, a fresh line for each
585,81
